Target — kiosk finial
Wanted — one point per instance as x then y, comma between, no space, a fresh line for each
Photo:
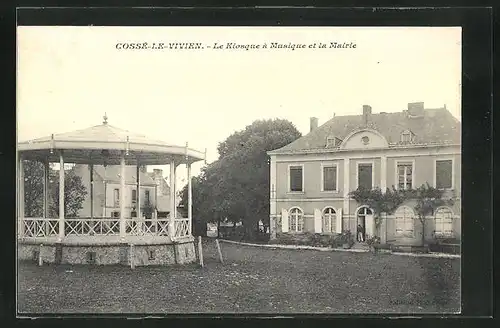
105,117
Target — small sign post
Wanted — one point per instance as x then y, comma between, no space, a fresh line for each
200,251
132,257
218,249
40,259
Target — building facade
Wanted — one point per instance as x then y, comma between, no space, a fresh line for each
162,194
105,186
310,178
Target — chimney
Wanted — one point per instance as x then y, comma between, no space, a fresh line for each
367,112
416,109
314,123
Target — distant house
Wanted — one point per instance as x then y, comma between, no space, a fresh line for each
106,189
162,193
310,178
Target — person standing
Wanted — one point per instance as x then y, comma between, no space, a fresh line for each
360,233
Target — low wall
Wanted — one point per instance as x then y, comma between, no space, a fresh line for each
180,252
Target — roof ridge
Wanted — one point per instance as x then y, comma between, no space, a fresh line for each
128,131
63,133
110,128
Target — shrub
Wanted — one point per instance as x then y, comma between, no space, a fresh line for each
372,241
305,239
447,241
345,238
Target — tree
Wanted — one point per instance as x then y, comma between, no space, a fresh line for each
202,211
428,199
246,178
33,188
236,186
380,202
74,194
74,191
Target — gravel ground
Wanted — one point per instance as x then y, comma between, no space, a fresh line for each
251,280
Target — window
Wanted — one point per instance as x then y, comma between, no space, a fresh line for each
406,136
444,173
133,214
365,176
116,197
404,222
444,222
296,220
115,214
146,195
330,142
296,178
134,196
333,142
405,175
329,219
330,178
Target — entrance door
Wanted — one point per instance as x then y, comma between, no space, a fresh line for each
366,221
369,225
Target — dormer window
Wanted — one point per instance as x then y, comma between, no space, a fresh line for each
332,141
406,136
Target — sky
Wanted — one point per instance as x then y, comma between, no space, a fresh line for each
69,77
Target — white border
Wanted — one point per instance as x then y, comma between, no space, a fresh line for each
357,172
444,158
334,164
288,180
396,177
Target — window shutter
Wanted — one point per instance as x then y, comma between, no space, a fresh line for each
317,221
338,221
284,220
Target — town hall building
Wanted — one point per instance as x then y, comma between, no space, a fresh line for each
310,178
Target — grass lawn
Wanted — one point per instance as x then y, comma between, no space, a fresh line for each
251,280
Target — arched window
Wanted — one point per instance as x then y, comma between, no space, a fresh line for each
405,223
444,222
362,213
329,219
406,136
296,219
